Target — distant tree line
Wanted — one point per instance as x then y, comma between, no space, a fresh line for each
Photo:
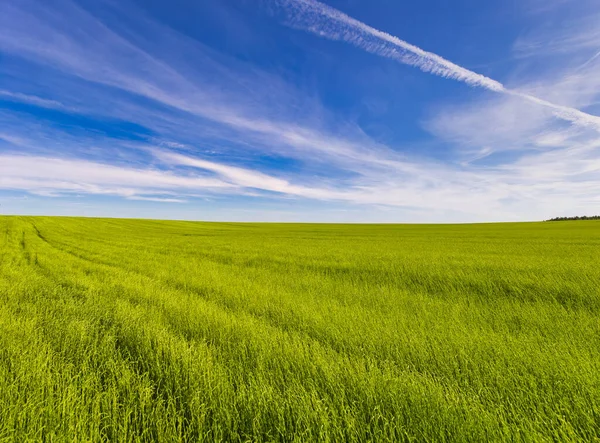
585,217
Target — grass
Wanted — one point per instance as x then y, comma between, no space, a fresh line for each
131,330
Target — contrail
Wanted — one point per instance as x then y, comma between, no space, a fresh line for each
328,22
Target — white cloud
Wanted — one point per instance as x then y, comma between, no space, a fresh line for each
328,22
103,56
157,199
43,174
31,99
557,37
505,123
532,186
331,23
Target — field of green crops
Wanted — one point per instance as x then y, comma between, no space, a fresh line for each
132,330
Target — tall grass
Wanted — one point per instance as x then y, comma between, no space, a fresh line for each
130,330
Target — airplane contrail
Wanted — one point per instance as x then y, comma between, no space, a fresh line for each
325,21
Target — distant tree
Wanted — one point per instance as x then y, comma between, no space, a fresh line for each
585,217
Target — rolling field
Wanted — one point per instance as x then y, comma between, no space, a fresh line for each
131,330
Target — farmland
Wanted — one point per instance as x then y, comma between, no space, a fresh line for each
137,330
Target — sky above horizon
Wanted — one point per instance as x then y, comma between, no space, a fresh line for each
297,110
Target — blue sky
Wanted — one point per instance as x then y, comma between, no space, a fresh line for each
296,110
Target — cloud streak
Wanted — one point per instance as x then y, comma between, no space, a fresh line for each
109,57
536,184
328,22
52,176
31,100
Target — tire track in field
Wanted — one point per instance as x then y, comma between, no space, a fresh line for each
359,359
404,279
361,356
192,335
213,298
181,288
410,281
437,287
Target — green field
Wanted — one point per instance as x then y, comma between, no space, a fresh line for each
131,330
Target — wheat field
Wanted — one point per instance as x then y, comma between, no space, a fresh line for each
138,330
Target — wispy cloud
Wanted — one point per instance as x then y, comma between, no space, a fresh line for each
31,99
52,175
240,176
157,199
524,128
249,114
555,38
535,184
331,23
